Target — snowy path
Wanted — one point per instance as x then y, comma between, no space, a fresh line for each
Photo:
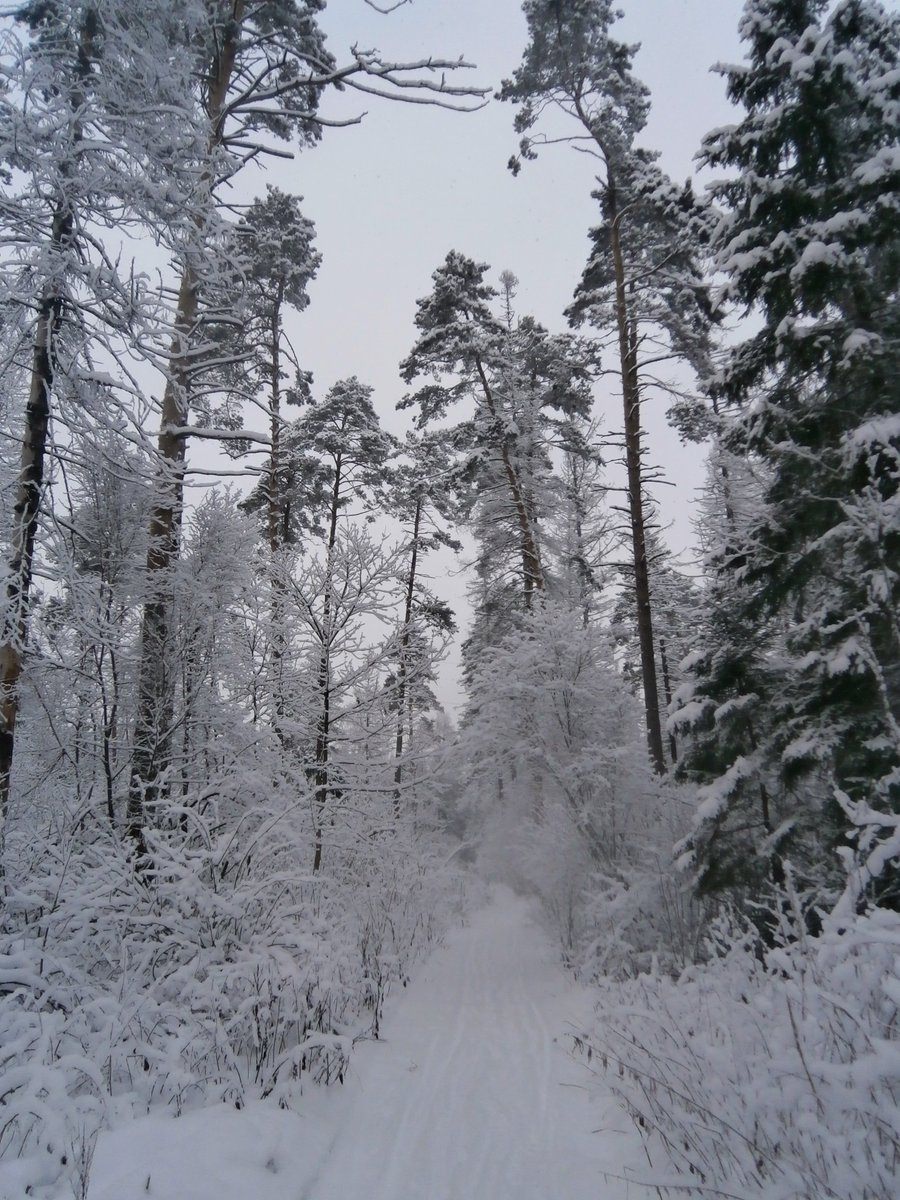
470,1094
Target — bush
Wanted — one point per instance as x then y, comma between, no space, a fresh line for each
222,972
776,1078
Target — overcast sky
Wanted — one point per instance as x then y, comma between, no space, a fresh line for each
392,195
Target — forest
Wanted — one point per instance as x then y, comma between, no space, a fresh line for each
241,817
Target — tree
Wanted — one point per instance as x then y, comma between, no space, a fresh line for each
343,432
809,245
277,242
261,72
421,495
643,279
516,374
584,535
677,601
85,154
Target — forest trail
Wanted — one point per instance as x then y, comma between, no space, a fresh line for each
471,1093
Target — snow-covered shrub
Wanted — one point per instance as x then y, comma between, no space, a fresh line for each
570,807
225,970
775,1078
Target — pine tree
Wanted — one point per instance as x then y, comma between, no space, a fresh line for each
643,280
277,242
521,380
806,634
82,157
259,71
422,497
676,601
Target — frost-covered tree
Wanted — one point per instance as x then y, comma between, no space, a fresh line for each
677,601
802,661
259,74
560,785
343,433
643,286
423,498
80,157
521,380
583,533
277,242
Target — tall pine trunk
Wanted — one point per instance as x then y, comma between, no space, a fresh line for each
631,398
532,571
323,727
276,533
402,673
29,491
155,709
667,692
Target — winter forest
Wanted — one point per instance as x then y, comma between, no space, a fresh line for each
416,785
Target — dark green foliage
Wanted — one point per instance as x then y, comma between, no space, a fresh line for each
811,242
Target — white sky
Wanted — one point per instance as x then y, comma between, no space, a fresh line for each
391,196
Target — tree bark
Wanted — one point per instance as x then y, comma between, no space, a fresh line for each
21,560
277,534
632,405
532,571
667,692
404,649
323,731
155,681
29,489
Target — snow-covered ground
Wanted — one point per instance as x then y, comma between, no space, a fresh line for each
471,1094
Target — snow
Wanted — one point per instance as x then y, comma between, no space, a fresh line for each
212,1154
471,1094
817,254
879,431
713,796
881,166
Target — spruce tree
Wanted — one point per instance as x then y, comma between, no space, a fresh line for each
804,631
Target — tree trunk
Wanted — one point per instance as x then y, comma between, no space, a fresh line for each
667,691
532,571
632,405
404,649
323,731
29,488
579,508
277,534
155,682
21,559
